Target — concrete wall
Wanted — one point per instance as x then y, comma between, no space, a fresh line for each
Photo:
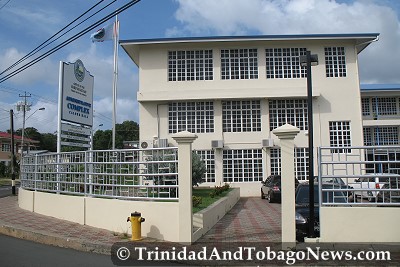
207,218
70,208
360,224
110,214
161,217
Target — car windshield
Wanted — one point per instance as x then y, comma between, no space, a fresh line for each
302,196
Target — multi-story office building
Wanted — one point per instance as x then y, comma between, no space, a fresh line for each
233,91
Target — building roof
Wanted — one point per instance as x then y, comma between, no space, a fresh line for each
379,87
362,40
4,135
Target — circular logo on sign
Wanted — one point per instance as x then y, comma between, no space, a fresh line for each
79,70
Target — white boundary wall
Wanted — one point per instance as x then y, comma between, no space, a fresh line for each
360,224
162,220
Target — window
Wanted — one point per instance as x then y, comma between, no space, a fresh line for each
384,106
300,162
208,157
239,64
241,116
275,161
367,136
382,136
339,133
284,63
291,111
5,147
366,111
242,165
335,62
190,65
195,117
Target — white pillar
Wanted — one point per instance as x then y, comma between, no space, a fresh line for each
286,135
185,140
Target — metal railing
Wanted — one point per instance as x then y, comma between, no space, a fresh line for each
129,173
359,176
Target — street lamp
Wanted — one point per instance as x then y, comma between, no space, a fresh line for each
309,60
91,143
23,129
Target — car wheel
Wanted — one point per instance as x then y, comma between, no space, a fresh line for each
262,195
271,199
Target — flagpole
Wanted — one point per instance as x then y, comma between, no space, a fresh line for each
115,78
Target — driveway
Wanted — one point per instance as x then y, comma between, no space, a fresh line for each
250,220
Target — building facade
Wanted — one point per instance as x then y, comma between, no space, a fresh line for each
233,91
381,124
5,146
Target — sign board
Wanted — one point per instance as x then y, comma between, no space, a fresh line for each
75,144
65,127
76,93
73,137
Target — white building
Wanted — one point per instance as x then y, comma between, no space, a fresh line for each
233,91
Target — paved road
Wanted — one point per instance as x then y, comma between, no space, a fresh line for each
19,252
5,190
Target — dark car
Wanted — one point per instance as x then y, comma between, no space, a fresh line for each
339,184
271,188
302,206
392,196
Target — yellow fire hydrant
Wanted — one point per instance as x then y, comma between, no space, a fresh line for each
136,224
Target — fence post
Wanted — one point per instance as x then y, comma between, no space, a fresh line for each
185,140
286,135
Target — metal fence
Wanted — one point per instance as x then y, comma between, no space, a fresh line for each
129,174
359,176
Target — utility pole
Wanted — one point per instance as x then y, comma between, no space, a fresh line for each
25,107
12,152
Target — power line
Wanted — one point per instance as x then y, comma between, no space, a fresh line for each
1,7
42,45
76,36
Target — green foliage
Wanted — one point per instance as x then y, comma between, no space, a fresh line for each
196,201
218,190
204,193
4,170
48,142
198,169
126,131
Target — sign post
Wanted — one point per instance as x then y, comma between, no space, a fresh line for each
75,105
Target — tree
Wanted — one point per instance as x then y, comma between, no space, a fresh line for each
198,169
102,140
127,131
48,142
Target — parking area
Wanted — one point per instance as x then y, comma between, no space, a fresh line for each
250,220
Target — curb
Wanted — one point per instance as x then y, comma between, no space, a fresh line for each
55,240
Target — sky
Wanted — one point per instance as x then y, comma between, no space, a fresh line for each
26,24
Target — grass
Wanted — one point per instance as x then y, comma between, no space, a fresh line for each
7,181
204,193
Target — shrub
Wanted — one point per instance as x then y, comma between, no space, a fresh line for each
218,190
196,201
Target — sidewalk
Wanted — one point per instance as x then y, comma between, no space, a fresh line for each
23,224
241,224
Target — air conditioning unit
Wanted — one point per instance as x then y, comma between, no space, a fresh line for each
146,144
217,143
267,142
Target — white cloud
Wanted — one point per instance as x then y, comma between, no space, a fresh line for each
378,63
44,71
